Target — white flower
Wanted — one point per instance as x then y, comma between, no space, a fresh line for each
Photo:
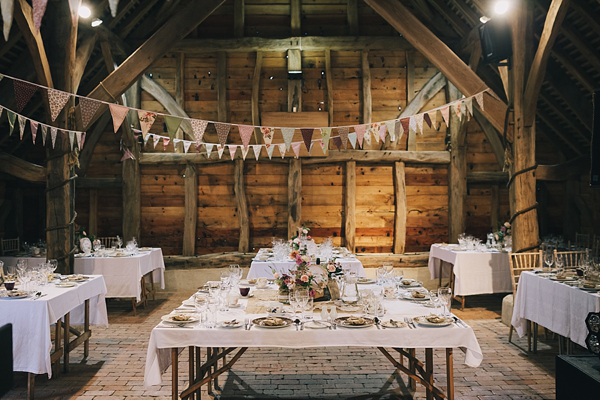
305,231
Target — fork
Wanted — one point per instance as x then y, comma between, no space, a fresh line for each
408,323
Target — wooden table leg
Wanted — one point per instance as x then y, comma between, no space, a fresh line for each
86,328
152,283
133,302
174,374
449,374
429,371
30,385
441,270
57,346
191,364
199,373
412,384
66,333
535,337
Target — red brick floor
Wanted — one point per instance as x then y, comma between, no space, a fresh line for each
115,368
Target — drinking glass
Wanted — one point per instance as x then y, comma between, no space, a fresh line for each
302,296
201,304
22,264
293,302
549,258
213,306
435,300
53,264
388,267
445,294
560,264
398,276
225,277
380,275
309,308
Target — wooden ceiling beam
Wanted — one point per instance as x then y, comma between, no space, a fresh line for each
591,19
558,110
84,52
445,60
455,22
558,132
22,169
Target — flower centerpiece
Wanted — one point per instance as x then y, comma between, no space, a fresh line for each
301,277
334,269
301,236
502,233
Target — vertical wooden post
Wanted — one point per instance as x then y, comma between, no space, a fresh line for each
239,16
222,86
350,206
294,196
256,96
410,95
352,13
495,200
294,86
457,170
93,217
132,181
296,17
329,82
239,189
180,93
400,208
191,210
366,87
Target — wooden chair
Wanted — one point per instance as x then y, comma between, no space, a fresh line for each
596,246
107,241
582,241
571,258
519,263
8,246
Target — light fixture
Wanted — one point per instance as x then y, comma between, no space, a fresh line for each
501,7
96,22
84,11
294,75
484,19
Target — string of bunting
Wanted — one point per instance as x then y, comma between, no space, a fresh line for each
362,133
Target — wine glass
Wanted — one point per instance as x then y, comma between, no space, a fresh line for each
53,263
22,264
560,264
445,294
302,296
435,300
293,302
309,308
549,258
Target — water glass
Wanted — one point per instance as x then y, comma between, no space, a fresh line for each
213,310
309,308
445,294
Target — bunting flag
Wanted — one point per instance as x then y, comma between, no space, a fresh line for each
419,118
72,139
296,148
288,135
412,123
7,16
79,143
186,145
198,147
127,154
173,124
53,134
114,5
166,141
268,134
39,9
352,139
343,131
88,110
199,126
155,140
325,135
404,124
245,152
148,136
325,146
282,147
245,134
175,143
118,113
391,128
232,150
307,134
457,110
337,142
34,127
209,147
256,148
445,111
220,150
44,133
270,151
367,138
222,132
398,131
57,100
23,93
382,129
434,118
469,105
22,123
374,130
427,119
147,118
12,117
83,135
479,99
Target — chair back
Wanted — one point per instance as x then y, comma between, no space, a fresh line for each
596,246
583,241
571,258
8,246
521,262
107,241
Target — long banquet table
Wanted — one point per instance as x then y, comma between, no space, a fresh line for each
165,341
554,305
32,261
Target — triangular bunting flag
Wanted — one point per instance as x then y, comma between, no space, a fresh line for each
175,143
419,118
34,127
199,126
343,131
12,117
325,135
427,119
256,148
186,145
23,93
114,5
445,111
281,149
83,135
22,123
127,154
72,139
382,130
148,136
155,140
367,138
44,133
245,152
166,141
288,135
412,123
222,132
268,134
232,150
118,113
469,105
245,134
325,146
146,120
405,127
220,150
57,101
79,143
88,109
352,139
53,133
209,147
374,130
457,110
337,142
479,98
296,148
270,151
434,117
172,124
398,131
7,16
39,8
360,133
391,128
307,134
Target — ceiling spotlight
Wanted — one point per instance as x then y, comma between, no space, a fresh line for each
96,22
501,7
85,12
484,19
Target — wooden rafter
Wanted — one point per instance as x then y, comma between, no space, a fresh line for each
84,52
22,169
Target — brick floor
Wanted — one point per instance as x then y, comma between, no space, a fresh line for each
115,368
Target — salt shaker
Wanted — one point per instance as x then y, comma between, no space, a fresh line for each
324,314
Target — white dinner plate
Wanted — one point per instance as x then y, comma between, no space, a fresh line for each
365,281
343,321
169,319
229,325
259,322
65,284
20,295
422,320
394,325
408,296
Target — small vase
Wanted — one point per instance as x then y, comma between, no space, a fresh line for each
283,296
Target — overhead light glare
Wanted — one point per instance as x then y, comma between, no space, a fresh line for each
484,19
501,7
85,12
96,22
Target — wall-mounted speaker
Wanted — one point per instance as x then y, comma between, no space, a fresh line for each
595,147
495,40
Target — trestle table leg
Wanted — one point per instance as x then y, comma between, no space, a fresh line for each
30,385
449,374
86,328
174,374
412,384
429,371
191,364
66,333
199,373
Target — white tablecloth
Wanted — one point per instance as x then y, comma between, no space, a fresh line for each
31,320
162,339
553,305
265,268
475,272
123,274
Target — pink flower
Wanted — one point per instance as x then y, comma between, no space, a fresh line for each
276,276
304,278
287,281
331,268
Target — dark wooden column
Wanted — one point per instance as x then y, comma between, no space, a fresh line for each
294,196
457,170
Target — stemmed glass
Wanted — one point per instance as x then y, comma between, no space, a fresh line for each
435,300
445,294
398,275
560,263
213,306
301,296
309,308
294,303
201,304
549,258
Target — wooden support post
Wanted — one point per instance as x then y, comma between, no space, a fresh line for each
352,13
296,17
191,211
457,171
294,86
410,95
400,208
495,200
239,16
180,79
255,100
367,102
93,217
350,206
239,189
222,86
329,83
294,196
131,191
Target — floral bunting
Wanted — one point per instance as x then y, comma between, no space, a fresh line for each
57,100
325,134
352,139
7,7
12,117
39,9
445,111
186,145
23,93
343,131
118,113
391,128
288,135
382,129
173,124
457,110
374,131
397,131
479,99
282,149
146,118
405,127
419,118
360,133
199,126
88,110
232,150
469,105
33,125
296,148
44,133
412,123
53,134
245,152
245,133
155,140
307,134
79,144
337,142
220,150
166,141
22,123
222,132
208,147
256,148
268,134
